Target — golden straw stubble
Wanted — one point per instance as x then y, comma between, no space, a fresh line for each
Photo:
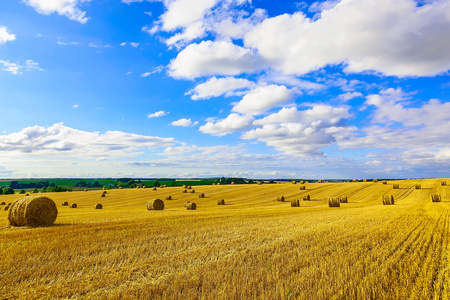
33,211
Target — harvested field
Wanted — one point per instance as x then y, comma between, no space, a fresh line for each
251,248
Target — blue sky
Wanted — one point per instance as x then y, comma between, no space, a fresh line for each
202,88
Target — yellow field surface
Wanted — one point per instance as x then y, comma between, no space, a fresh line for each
254,247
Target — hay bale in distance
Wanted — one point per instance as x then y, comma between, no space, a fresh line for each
184,191
103,195
221,202
395,186
384,181
334,202
259,183
375,180
343,199
65,203
418,186
156,204
364,180
388,200
354,180
319,181
306,198
105,192
6,207
302,188
98,206
281,198
192,191
232,182
120,187
169,198
294,182
295,203
74,205
191,206
185,205
201,195
3,203
302,182
33,211
443,183
436,198
155,189
85,190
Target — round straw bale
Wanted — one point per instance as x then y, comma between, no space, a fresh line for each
302,188
98,206
343,199
443,183
85,190
354,180
294,182
65,203
375,180
364,180
334,202
155,189
6,207
418,186
201,195
395,186
191,206
218,183
33,211
184,191
27,194
74,205
384,181
184,186
120,187
156,204
192,191
3,203
105,192
319,181
302,182
295,203
185,205
169,198
306,198
103,195
221,202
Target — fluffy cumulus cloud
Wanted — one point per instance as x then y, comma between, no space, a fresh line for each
5,36
232,123
262,98
303,132
68,8
364,35
396,123
183,122
17,68
212,58
157,114
62,141
215,87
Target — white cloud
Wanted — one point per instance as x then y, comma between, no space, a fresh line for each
213,58
69,43
157,69
15,68
302,133
215,87
182,122
134,45
5,36
349,96
62,141
234,122
123,44
363,35
157,114
75,106
68,8
262,98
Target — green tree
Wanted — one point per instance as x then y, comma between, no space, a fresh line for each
223,180
43,189
22,191
131,183
119,184
156,183
1,191
35,190
8,191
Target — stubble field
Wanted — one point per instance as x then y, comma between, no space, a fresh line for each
254,247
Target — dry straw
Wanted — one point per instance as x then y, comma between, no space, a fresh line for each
201,195
319,181
436,198
74,205
6,207
354,180
259,183
334,202
65,203
375,180
418,186
169,198
388,200
232,182
33,211
302,188
295,203
294,182
221,202
98,206
191,206
193,191
280,199
384,181
343,199
3,203
306,198
156,204
395,186
443,183
302,182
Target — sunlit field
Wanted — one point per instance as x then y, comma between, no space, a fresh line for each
253,247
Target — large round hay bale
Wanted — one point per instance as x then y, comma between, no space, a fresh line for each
74,205
191,206
156,204
221,202
98,206
33,211
65,203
